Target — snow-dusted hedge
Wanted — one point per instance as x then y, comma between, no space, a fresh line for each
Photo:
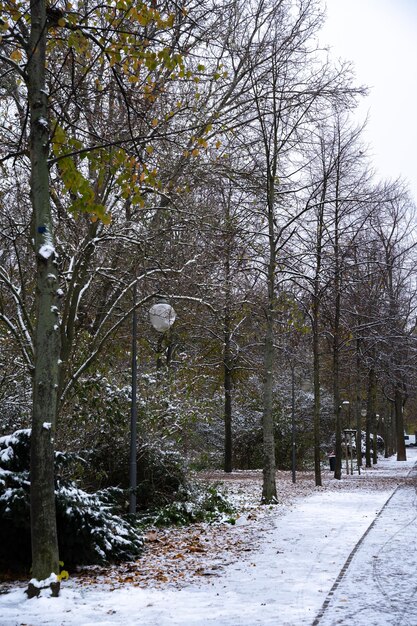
161,474
89,531
194,503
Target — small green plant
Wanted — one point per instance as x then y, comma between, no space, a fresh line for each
194,504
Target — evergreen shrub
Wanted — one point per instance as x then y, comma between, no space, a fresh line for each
161,475
89,530
194,503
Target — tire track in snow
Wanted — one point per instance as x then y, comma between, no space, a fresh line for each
342,573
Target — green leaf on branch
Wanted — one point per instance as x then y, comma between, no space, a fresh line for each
83,197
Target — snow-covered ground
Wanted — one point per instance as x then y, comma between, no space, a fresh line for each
345,553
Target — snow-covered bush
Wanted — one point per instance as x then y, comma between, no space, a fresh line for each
161,474
100,415
194,503
89,531
14,501
99,429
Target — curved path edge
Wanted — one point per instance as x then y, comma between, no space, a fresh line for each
348,561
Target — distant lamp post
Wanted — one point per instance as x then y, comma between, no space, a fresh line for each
351,434
346,405
360,417
339,443
161,316
384,436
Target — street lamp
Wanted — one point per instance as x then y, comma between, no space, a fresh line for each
338,443
385,437
345,404
360,418
161,316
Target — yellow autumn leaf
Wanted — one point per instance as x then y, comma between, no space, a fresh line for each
195,152
154,122
16,55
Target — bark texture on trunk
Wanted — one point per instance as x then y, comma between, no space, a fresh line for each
370,415
45,558
399,425
228,450
227,353
269,490
316,384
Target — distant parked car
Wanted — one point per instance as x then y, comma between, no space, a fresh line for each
410,440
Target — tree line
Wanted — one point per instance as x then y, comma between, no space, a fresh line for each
204,152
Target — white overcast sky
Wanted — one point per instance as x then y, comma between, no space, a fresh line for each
380,37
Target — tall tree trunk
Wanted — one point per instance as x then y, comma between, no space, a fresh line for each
375,440
396,360
269,491
385,433
45,558
316,388
336,391
227,365
316,343
227,352
393,429
399,424
336,325
293,429
358,406
370,414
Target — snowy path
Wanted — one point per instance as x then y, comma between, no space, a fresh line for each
283,583
380,586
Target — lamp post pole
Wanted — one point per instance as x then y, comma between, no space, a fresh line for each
161,316
338,471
